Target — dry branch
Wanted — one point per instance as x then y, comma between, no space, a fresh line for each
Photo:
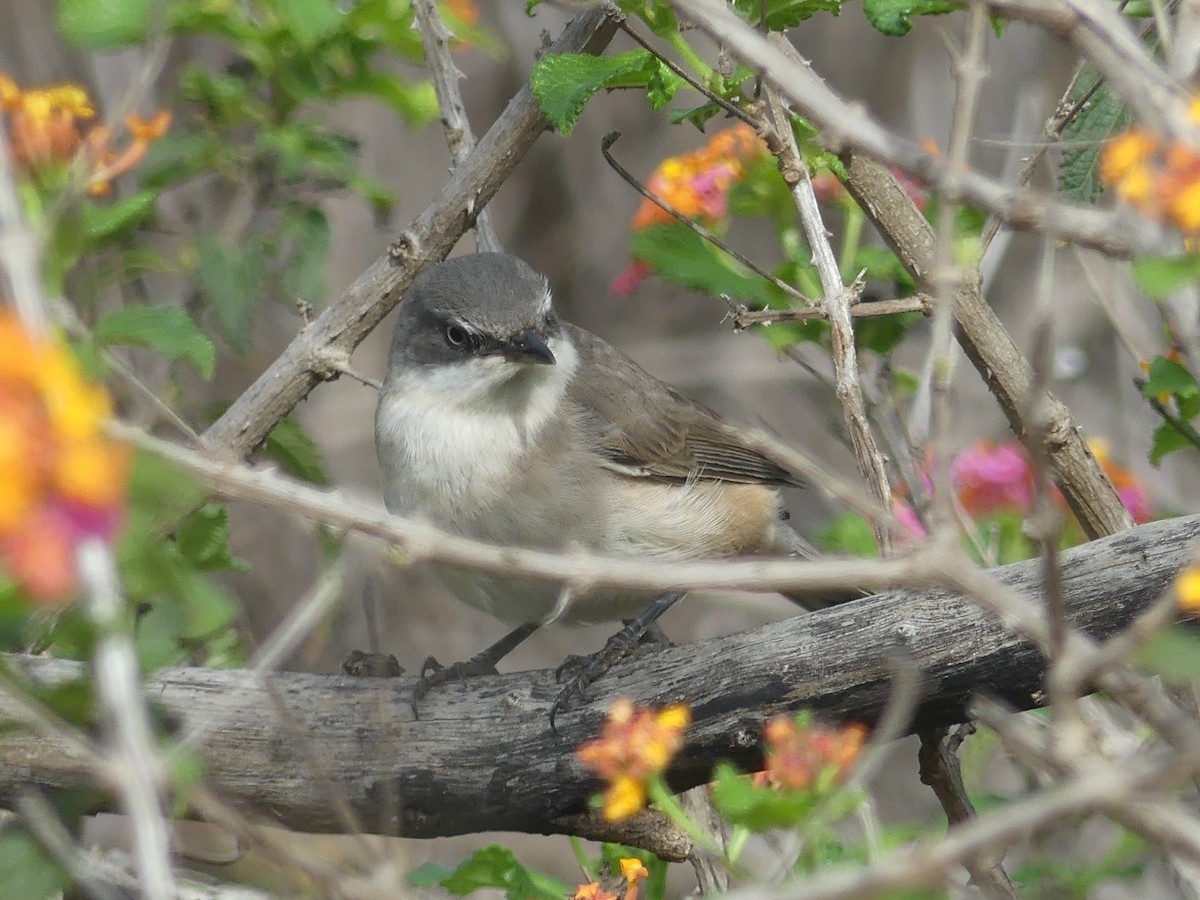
990,348
482,755
319,351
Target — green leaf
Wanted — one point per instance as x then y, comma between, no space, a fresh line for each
26,870
564,83
849,533
307,231
415,101
1097,120
697,115
1160,276
1166,440
1174,654
103,222
681,256
295,451
103,24
492,867
428,875
203,540
159,493
310,20
1168,377
742,802
781,14
894,17
166,330
231,282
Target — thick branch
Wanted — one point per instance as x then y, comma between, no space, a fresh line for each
433,234
991,349
482,755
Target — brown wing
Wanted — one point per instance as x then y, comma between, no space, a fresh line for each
664,434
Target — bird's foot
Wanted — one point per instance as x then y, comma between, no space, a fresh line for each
363,664
580,671
434,673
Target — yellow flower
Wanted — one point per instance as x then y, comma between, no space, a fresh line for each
633,871
1187,589
634,745
61,479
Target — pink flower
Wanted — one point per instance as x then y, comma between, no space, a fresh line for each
992,477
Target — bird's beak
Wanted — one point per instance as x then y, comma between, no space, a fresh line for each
529,347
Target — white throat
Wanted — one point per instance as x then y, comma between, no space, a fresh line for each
450,438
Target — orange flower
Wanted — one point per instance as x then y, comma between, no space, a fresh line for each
798,752
697,183
1161,181
634,745
592,891
633,870
46,139
61,479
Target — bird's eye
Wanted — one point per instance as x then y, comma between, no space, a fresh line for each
456,335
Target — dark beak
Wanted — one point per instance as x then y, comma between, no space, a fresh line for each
529,347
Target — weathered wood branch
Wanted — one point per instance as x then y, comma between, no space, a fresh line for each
482,755
320,349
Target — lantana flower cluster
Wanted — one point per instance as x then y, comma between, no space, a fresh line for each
697,185
1158,178
62,480
633,872
48,134
991,478
801,753
634,745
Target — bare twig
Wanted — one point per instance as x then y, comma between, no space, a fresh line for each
615,13
991,349
742,317
837,303
350,318
133,763
847,125
436,37
1099,32
451,775
939,768
606,149
580,571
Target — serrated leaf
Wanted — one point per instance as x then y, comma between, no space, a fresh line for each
564,83
231,282
1099,119
159,493
781,14
681,256
1160,276
26,870
1168,377
697,115
164,329
203,539
105,221
296,452
894,17
1166,440
103,24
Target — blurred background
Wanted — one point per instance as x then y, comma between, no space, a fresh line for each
568,214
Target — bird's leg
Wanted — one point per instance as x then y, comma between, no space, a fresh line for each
616,649
434,673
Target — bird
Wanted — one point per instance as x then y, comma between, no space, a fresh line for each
499,421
